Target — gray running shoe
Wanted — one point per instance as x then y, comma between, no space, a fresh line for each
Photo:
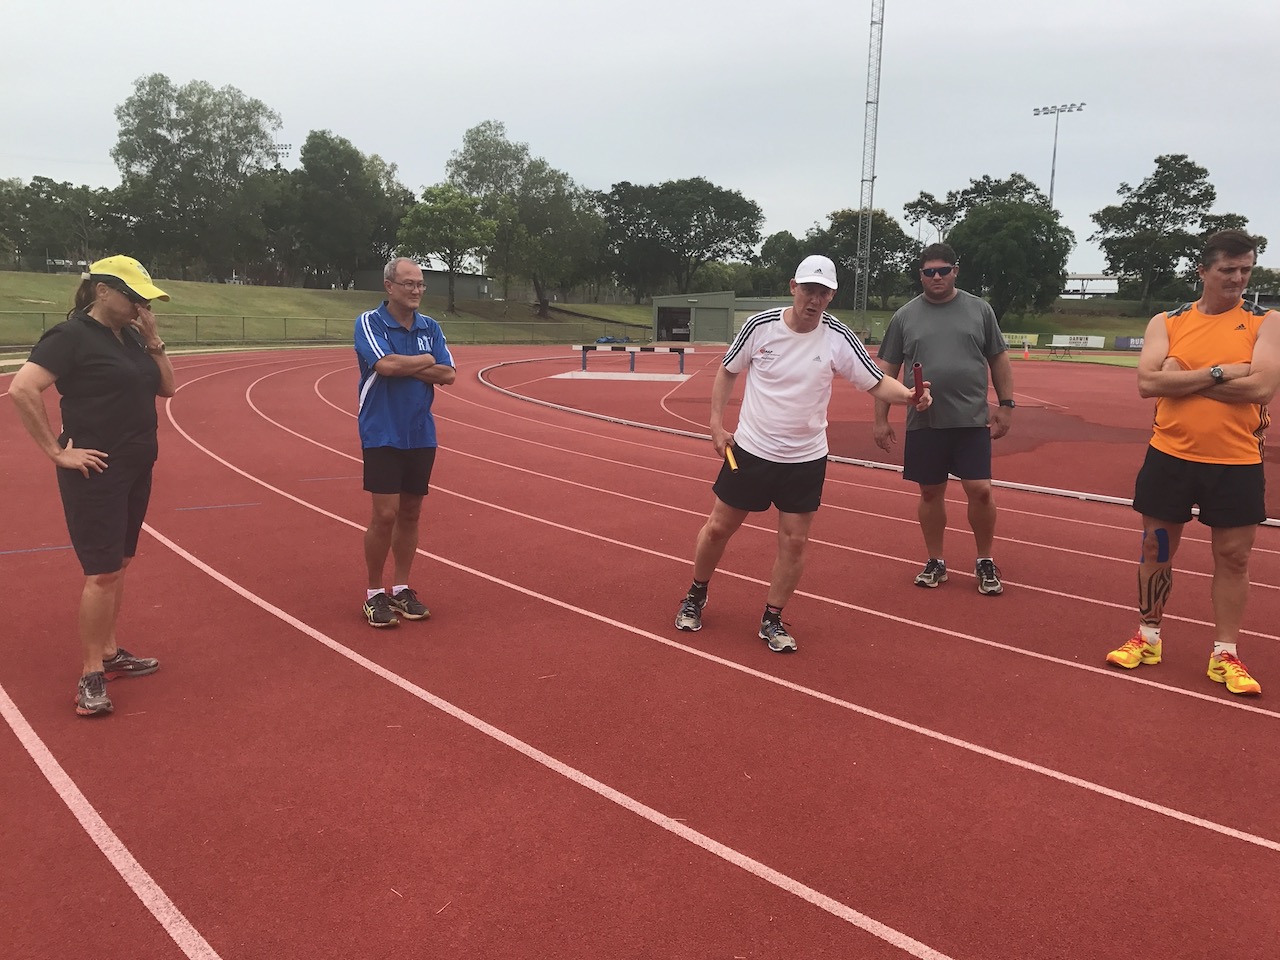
91,696
125,664
410,607
988,575
690,615
933,574
775,634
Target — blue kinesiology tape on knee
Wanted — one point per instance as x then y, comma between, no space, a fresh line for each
1162,546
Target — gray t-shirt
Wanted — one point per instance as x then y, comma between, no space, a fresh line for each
953,342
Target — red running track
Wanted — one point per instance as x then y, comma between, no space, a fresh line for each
547,769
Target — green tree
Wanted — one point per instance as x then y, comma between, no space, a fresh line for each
336,204
189,158
938,214
701,223
891,253
63,221
556,216
1265,281
13,215
776,264
491,167
447,224
943,215
1014,253
392,200
1158,225
635,251
545,222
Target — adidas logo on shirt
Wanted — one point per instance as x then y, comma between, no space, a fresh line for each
1240,327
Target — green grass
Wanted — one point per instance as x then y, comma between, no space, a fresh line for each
226,313
214,313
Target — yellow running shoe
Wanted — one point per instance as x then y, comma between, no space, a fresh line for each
1227,668
1136,650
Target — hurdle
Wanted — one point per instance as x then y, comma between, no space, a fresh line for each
586,348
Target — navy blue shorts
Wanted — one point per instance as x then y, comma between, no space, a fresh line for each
105,511
928,455
392,470
1228,494
791,487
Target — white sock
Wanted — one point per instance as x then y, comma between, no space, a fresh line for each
398,587
1150,634
370,594
1220,648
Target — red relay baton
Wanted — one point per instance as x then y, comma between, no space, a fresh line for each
917,375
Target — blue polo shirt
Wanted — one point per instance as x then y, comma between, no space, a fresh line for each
396,411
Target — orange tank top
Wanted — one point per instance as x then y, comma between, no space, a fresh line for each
1195,427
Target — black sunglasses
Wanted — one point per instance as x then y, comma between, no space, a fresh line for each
936,271
115,283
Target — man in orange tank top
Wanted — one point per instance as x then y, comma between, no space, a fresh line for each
1213,366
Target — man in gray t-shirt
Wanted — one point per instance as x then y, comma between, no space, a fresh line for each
954,336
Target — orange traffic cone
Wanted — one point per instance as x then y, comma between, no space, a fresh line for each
1026,350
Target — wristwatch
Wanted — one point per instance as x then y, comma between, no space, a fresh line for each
1218,376
1007,403
159,348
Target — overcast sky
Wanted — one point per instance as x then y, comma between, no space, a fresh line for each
764,98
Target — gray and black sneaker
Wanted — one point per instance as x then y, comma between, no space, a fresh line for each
934,573
125,664
690,615
91,696
988,575
410,607
377,610
775,634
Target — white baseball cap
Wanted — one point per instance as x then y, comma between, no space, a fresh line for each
817,269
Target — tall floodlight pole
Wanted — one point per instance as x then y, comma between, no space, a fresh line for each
862,279
1057,114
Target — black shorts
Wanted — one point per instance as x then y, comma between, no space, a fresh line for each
791,487
928,455
105,511
392,470
1228,494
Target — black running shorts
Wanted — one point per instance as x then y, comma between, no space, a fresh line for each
105,511
1228,494
392,470
791,487
929,455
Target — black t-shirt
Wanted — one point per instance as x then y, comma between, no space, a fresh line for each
108,387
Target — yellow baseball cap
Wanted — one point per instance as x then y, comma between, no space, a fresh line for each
129,271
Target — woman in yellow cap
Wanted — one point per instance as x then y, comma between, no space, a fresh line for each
109,364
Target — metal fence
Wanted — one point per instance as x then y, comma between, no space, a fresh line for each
21,329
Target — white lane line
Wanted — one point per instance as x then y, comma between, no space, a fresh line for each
1109,673
754,867
187,937
786,684
837,507
893,518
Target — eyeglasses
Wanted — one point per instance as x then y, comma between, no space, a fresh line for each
410,285
936,271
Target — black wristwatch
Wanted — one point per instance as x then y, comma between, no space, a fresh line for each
1218,376
1007,403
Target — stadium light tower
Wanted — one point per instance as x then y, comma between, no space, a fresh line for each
862,277
1057,114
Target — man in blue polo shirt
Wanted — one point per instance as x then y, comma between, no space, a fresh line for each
403,357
